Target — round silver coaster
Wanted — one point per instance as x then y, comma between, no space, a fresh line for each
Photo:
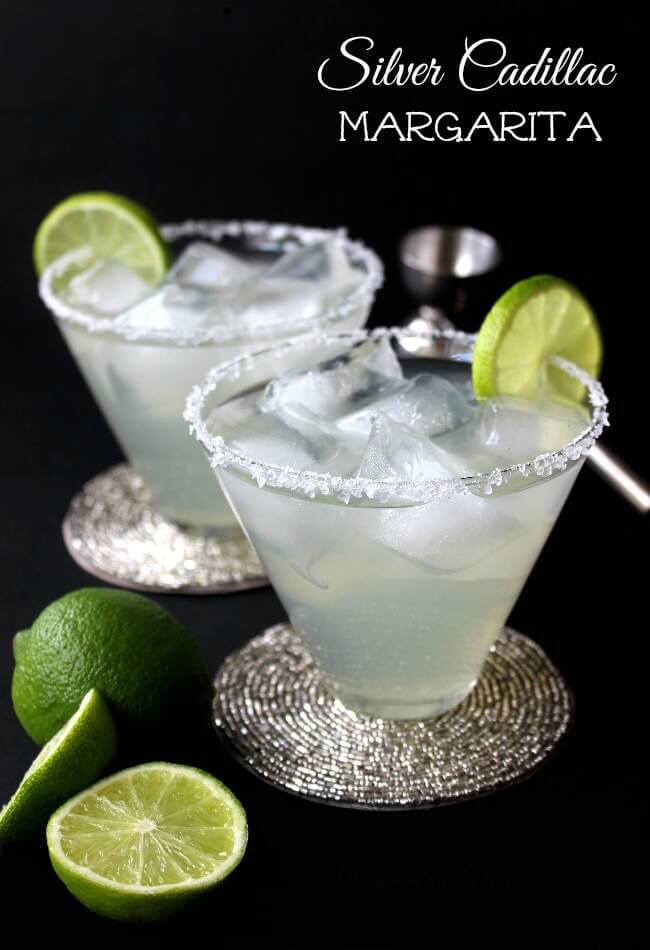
112,531
278,717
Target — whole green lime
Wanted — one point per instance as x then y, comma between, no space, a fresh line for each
132,650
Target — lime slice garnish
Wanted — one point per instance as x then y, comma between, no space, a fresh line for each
142,843
536,319
73,758
110,226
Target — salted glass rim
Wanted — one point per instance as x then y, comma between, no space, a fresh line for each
216,230
344,488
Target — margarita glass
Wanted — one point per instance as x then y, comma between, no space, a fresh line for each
399,584
140,377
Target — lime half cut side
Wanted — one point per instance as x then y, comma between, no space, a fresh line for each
73,758
537,319
110,226
141,844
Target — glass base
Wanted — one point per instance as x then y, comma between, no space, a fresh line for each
403,711
275,713
112,532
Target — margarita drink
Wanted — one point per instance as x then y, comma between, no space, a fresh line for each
231,286
356,483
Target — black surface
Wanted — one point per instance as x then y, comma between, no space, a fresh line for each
213,110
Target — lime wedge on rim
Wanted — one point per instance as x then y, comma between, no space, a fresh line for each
111,226
73,758
141,844
536,319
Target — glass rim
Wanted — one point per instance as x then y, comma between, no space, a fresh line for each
215,230
309,484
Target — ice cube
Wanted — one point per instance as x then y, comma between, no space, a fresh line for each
324,262
460,533
234,413
273,443
376,356
314,390
286,292
289,551
342,272
265,304
208,267
426,404
333,389
448,534
178,310
305,263
107,287
515,430
483,537
276,439
333,451
344,279
395,451
299,286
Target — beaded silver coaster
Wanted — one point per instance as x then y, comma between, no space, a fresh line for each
112,531
275,713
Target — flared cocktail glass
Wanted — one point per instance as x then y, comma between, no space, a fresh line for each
140,379
399,587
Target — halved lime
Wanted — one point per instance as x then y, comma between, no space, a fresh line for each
141,844
111,226
73,758
536,319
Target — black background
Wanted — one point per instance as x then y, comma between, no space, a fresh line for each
213,110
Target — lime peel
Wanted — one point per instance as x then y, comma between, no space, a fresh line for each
73,758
